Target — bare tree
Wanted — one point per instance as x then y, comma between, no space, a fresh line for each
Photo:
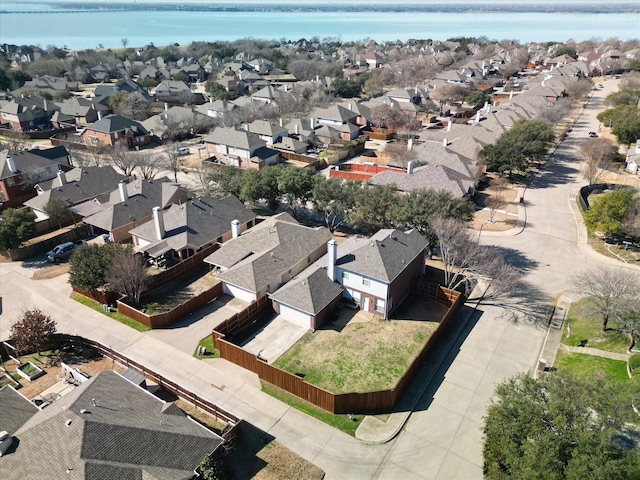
171,152
148,165
597,154
447,93
608,289
123,159
32,331
629,322
17,142
401,153
125,42
95,152
465,261
580,88
127,274
557,111
497,201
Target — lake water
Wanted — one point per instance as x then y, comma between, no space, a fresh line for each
79,30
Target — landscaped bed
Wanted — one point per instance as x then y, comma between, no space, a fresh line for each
367,356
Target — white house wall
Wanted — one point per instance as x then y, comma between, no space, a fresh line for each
296,315
355,281
238,292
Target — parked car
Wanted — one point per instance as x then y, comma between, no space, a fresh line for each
183,151
593,134
61,252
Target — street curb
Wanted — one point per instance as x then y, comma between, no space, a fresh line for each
403,417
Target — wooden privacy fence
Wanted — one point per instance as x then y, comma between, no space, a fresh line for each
241,320
183,268
379,134
70,235
60,339
367,402
167,318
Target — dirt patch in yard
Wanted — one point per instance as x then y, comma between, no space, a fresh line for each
176,293
51,271
364,356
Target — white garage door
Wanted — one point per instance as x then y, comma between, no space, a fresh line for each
295,315
238,293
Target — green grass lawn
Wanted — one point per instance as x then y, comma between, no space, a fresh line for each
579,363
207,342
588,326
115,315
341,422
364,357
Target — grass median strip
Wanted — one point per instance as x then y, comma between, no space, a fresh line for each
115,315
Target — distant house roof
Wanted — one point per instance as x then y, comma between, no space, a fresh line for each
109,428
266,251
265,128
335,113
80,184
115,123
426,177
143,195
195,223
234,138
384,255
30,160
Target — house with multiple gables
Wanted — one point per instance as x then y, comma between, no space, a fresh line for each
20,172
239,148
181,230
76,186
129,205
27,113
373,273
106,428
115,129
266,256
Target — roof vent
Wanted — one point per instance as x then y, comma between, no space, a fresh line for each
68,422
84,410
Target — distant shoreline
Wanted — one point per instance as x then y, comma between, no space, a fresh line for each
450,7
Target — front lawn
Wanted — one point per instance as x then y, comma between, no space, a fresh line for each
586,325
343,423
207,344
579,363
363,357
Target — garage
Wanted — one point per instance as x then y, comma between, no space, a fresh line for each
238,292
296,315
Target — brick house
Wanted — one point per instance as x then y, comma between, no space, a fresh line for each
114,129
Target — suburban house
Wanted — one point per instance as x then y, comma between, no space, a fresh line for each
269,132
216,108
374,273
27,113
183,229
47,85
267,256
336,122
373,59
82,110
426,177
175,122
106,428
239,148
73,187
114,129
128,206
174,91
21,171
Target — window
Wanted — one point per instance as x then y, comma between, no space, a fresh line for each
345,275
379,305
366,282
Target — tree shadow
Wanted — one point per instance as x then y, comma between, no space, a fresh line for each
556,174
522,304
517,259
242,459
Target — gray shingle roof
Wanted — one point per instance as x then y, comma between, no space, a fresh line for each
82,184
126,435
264,253
31,160
235,138
309,294
383,256
116,123
196,223
143,196
426,177
15,411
